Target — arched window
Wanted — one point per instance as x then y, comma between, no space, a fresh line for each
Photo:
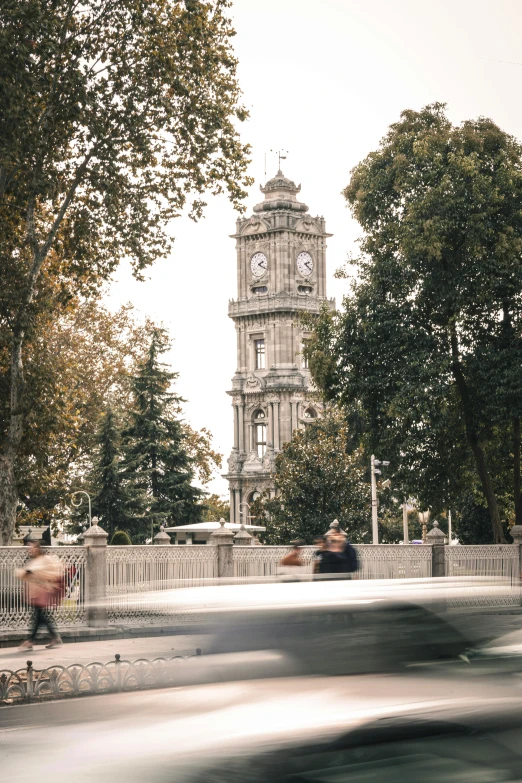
310,413
260,433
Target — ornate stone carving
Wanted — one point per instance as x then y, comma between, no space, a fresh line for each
253,383
234,461
269,459
252,463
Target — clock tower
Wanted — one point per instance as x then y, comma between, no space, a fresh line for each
281,274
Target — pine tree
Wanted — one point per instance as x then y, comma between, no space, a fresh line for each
156,459
117,502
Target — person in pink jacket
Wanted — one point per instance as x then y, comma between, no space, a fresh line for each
43,576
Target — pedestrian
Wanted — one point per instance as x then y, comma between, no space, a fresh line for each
43,576
351,559
333,559
320,543
292,564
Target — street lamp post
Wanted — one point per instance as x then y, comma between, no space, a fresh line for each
77,505
424,517
407,506
248,507
375,471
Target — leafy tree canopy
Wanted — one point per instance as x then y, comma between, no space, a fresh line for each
428,342
318,478
115,117
215,508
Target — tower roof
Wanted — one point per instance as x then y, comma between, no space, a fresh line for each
280,182
280,193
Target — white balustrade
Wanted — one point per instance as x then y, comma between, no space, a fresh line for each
500,562
135,570
14,609
143,569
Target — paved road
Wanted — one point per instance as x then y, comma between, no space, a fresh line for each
476,625
480,626
103,651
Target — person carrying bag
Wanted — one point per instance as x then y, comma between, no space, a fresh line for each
44,579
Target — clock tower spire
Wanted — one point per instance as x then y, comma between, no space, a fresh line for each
281,274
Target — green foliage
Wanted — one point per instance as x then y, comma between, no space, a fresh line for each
121,538
156,457
318,479
472,524
83,364
215,508
118,502
116,116
428,343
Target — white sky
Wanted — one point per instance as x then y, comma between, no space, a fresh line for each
322,80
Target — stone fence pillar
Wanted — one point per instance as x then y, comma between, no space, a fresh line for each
223,539
95,541
161,538
435,539
243,537
516,535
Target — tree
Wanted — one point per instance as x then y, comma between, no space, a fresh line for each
113,113
117,502
198,444
215,508
317,479
429,341
156,458
76,365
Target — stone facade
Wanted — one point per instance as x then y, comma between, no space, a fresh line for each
281,274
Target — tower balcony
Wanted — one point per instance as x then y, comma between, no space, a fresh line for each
278,303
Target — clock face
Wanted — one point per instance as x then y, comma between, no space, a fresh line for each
258,264
305,264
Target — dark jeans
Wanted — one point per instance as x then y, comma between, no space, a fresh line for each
41,617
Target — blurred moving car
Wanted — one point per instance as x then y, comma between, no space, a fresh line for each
409,700
321,628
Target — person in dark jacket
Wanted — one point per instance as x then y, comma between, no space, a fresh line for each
352,561
333,560
339,557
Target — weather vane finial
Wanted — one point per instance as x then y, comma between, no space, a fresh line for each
280,156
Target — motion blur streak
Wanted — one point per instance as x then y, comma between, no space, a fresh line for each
338,681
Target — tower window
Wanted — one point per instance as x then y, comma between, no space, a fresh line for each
310,413
259,433
260,289
260,439
259,347
304,289
304,358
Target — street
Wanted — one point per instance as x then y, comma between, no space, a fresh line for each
476,625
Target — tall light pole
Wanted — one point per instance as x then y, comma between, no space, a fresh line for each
248,517
407,506
424,517
77,505
405,531
375,471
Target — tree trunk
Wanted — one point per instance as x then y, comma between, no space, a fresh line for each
473,440
516,471
8,499
8,489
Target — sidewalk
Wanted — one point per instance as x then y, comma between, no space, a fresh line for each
83,633
149,647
